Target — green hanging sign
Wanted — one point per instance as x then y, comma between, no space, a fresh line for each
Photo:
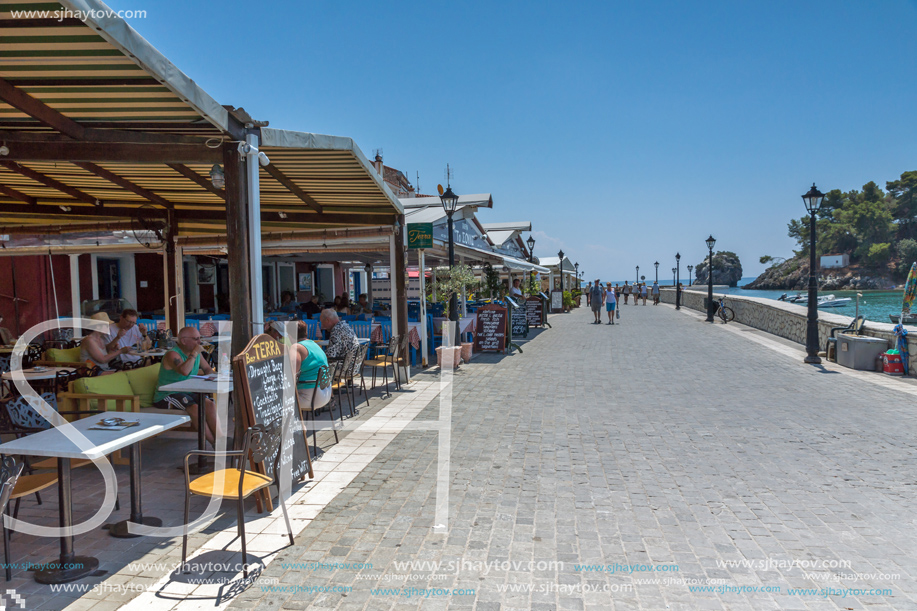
420,235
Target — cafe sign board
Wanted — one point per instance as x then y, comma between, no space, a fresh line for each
490,335
269,394
420,235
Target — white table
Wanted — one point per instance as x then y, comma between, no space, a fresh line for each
47,373
324,342
200,387
54,443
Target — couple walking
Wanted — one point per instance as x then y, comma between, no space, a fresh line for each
599,296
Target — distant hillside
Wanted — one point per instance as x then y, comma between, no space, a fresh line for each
876,228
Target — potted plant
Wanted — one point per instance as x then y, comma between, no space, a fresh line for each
449,282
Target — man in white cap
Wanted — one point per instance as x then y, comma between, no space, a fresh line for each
596,299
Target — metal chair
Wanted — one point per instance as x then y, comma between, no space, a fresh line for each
387,360
9,476
341,374
357,372
322,381
263,441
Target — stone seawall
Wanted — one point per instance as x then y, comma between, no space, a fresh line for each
788,320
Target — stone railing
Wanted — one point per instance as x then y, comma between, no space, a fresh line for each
788,320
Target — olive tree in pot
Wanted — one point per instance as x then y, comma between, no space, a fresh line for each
449,282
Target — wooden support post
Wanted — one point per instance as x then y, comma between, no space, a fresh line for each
399,290
237,247
75,302
171,284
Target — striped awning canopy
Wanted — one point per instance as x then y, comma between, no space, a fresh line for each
95,123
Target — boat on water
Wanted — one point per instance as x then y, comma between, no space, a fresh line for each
829,301
793,298
909,319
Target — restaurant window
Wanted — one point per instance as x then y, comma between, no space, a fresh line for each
109,272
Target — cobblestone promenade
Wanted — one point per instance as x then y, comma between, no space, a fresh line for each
662,463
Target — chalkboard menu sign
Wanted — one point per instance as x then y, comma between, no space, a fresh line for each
557,301
534,311
490,335
519,322
264,370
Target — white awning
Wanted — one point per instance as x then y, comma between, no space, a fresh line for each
515,264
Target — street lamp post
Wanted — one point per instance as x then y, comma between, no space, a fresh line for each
637,277
656,265
531,244
690,277
711,242
450,201
813,200
560,267
576,267
673,283
677,281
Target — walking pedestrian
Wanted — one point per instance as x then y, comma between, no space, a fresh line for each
589,294
596,298
643,292
610,303
655,293
626,291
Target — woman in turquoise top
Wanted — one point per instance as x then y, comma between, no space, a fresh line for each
307,358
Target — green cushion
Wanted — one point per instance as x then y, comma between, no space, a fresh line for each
114,384
70,355
143,382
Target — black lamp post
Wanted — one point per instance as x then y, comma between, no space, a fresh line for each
813,200
560,267
656,265
690,277
673,281
677,281
711,242
450,201
637,277
576,267
531,244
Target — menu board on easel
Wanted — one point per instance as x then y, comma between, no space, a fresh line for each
262,369
490,334
534,311
557,301
519,324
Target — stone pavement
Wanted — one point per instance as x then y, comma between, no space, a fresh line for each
663,463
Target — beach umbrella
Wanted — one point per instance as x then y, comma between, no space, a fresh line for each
910,293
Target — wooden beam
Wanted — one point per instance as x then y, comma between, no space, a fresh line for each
124,183
102,152
18,195
104,135
292,186
40,23
111,210
82,82
50,182
197,178
39,110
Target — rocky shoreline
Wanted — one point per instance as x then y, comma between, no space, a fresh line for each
793,275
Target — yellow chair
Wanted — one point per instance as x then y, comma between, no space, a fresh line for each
263,441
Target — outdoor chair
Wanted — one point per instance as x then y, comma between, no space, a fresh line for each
854,328
236,482
357,372
9,476
387,360
339,379
322,381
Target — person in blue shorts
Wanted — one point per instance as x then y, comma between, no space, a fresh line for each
611,303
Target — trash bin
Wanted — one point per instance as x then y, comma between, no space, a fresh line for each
859,351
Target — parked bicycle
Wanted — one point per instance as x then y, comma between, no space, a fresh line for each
725,313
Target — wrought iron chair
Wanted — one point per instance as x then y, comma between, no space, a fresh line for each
9,476
264,442
340,377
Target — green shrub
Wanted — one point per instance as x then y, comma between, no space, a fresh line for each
907,250
879,254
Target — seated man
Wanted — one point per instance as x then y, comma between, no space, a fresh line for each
277,330
178,364
126,333
287,303
516,291
341,338
313,307
361,306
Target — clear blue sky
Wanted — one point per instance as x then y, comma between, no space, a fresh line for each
624,131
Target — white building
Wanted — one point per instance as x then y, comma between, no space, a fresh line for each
831,261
